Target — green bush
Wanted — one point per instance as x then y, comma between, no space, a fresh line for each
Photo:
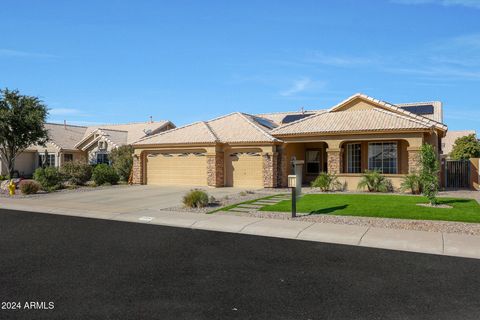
2,177
122,161
29,187
412,183
429,171
103,174
326,182
374,181
77,173
195,199
49,178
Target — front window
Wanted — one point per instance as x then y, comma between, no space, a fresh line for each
67,157
102,158
49,161
313,158
354,158
382,157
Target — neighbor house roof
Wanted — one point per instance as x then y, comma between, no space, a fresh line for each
120,134
232,128
449,140
64,136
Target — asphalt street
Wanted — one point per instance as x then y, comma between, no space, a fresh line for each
61,267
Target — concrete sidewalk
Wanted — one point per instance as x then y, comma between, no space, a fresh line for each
394,239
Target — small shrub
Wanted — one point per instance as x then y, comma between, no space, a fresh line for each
212,199
243,193
103,174
49,178
374,181
2,177
122,161
77,173
195,199
429,171
412,183
29,187
326,182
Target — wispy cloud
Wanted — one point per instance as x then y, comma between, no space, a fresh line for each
297,87
24,54
446,3
64,111
336,60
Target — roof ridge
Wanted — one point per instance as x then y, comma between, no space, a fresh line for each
280,112
171,130
116,130
400,116
299,120
131,123
211,131
268,135
68,125
416,102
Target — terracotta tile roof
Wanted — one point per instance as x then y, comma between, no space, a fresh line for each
135,131
64,137
232,128
351,121
278,117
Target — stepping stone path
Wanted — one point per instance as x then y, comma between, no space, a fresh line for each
254,206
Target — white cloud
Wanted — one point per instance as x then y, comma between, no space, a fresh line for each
64,111
23,54
297,87
445,3
336,60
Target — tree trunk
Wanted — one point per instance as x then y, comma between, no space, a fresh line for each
11,167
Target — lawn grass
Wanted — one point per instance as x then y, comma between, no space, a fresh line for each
382,206
230,207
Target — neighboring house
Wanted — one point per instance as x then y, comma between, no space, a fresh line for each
78,143
255,151
449,140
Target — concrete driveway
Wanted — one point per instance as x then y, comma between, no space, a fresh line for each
120,199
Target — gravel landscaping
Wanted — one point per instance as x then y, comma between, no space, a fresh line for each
405,224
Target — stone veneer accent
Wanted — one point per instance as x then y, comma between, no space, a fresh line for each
334,161
270,167
215,170
137,170
413,161
282,169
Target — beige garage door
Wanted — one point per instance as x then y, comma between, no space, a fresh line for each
244,169
177,169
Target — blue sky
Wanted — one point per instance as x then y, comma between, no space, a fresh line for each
122,61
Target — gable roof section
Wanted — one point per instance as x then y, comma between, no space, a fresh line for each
352,121
64,136
389,107
232,128
279,117
135,131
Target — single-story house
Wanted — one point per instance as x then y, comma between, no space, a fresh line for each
255,151
80,143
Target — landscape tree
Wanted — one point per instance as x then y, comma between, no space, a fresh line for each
465,148
22,120
122,161
429,171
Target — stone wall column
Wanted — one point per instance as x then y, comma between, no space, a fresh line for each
270,166
137,172
334,160
413,160
282,167
215,169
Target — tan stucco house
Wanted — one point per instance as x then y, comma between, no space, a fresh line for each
80,143
449,140
255,151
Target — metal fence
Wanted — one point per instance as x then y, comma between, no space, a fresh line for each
457,174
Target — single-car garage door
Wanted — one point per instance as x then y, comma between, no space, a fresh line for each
189,168
244,169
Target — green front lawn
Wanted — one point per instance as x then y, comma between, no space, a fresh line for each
382,206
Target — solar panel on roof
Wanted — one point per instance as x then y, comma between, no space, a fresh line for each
295,117
420,110
264,122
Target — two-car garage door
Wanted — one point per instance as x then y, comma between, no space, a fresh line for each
189,168
243,168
